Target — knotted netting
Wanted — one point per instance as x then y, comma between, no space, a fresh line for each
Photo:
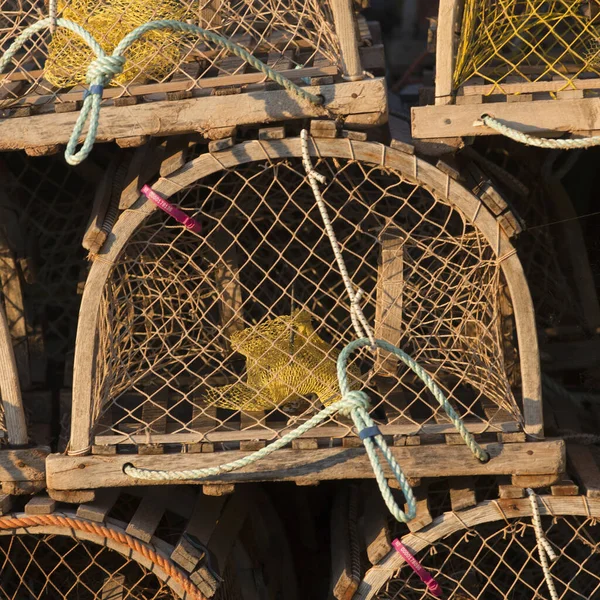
255,304
508,41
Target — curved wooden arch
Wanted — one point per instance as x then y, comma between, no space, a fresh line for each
10,389
412,168
119,527
486,512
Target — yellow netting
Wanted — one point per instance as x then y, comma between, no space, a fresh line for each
285,360
151,57
528,40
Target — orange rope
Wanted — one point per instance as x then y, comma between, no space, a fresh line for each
123,538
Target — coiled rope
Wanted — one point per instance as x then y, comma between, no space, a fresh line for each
105,67
538,142
70,524
545,550
354,403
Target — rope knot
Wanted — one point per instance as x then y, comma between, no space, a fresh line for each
105,67
358,399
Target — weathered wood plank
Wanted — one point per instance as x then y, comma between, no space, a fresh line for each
27,464
462,493
444,57
533,458
364,101
344,579
585,468
12,402
376,530
40,505
547,116
205,418
100,507
147,517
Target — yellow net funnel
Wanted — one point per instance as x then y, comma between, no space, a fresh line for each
152,57
285,361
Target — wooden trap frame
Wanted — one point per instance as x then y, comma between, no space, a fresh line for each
176,84
163,308
551,247
154,543
531,65
490,551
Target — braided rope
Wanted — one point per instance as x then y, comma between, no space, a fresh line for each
121,537
53,13
530,140
105,67
359,321
545,550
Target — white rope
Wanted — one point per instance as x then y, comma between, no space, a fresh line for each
530,140
359,321
53,14
545,550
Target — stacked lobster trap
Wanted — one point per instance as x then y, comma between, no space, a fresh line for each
532,66
324,47
552,249
196,345
145,547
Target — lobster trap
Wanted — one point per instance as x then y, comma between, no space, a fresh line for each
531,65
491,551
226,339
146,546
552,250
322,46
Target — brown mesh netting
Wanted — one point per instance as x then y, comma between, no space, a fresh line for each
177,305
51,203
285,33
500,561
46,566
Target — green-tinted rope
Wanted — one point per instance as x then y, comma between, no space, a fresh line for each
354,403
105,67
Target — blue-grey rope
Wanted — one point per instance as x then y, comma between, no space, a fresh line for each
101,71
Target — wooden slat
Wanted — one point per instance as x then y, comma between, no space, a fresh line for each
526,87
95,236
12,295
444,57
40,505
423,516
462,493
347,34
114,587
548,116
388,308
147,517
376,530
344,578
155,408
14,415
364,102
203,420
98,509
533,458
144,166
585,468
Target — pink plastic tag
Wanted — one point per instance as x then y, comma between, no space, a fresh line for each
175,212
432,585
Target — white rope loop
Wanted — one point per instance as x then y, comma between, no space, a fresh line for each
545,550
538,142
